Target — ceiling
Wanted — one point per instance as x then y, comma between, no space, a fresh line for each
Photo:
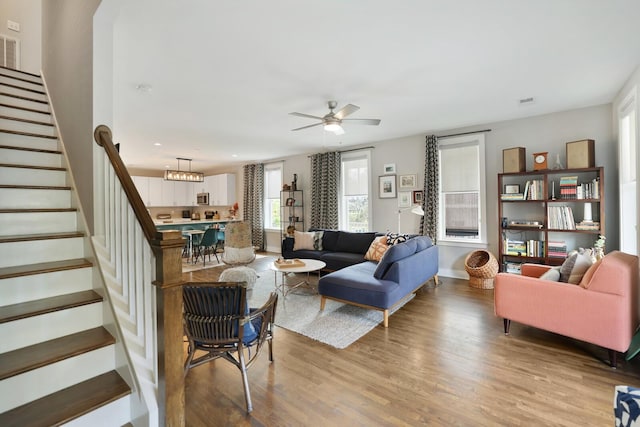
216,81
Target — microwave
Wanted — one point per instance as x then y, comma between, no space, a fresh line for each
203,198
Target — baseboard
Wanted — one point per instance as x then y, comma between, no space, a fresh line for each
455,274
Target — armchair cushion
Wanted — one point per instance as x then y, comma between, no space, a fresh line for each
552,274
586,279
233,255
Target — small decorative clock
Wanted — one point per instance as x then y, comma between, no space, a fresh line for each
540,161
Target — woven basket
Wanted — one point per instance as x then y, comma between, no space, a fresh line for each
482,267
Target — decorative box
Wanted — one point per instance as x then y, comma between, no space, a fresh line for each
581,154
513,160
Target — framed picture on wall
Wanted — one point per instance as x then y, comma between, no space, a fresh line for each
408,182
387,186
418,196
389,168
404,199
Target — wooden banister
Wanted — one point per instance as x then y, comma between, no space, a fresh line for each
102,135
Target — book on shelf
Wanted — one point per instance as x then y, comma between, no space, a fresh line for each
560,218
557,249
511,196
568,187
534,190
512,267
588,226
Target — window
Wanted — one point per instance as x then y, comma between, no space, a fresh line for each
272,187
462,189
355,204
627,130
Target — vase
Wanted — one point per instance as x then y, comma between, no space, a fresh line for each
598,253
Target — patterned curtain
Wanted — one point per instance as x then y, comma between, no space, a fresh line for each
253,206
325,184
430,201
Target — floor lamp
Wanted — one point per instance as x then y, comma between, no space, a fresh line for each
415,209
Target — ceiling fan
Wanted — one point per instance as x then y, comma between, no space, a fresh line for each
332,121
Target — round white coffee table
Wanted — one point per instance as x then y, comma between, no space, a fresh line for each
309,266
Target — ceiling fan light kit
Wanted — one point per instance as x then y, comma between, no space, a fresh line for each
178,175
332,121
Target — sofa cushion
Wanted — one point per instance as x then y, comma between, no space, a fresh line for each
354,242
552,274
338,260
393,254
574,267
311,240
586,279
423,242
329,239
377,249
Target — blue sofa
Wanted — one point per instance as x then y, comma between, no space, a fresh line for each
404,268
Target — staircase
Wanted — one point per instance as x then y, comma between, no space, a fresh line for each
58,362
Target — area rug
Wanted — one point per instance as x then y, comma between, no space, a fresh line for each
338,325
188,267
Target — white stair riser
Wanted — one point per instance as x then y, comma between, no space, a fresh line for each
36,223
25,141
26,103
19,75
27,176
18,390
21,198
29,158
36,251
19,126
22,92
27,85
37,286
22,114
117,413
32,330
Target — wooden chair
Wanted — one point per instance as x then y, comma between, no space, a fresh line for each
219,323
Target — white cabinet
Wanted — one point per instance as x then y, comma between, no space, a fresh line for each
142,185
183,193
155,192
222,189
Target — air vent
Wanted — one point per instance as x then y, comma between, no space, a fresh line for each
527,101
9,52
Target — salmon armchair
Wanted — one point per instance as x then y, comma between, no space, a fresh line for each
601,309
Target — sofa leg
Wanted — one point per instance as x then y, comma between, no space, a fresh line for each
507,324
613,358
386,319
323,300
435,280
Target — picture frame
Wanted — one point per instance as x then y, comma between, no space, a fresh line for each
406,182
404,199
290,201
387,187
511,188
418,196
389,168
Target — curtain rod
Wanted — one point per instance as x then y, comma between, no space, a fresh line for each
463,133
352,149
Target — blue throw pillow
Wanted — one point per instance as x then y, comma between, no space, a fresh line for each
626,406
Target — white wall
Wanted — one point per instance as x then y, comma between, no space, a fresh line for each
27,13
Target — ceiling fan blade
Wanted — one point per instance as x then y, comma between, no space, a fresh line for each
309,116
345,111
374,122
308,126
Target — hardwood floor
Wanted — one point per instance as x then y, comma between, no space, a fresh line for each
444,360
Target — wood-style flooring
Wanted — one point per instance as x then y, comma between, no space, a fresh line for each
443,361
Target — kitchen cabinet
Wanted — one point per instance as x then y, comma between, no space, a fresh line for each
155,192
142,185
158,192
221,188
183,193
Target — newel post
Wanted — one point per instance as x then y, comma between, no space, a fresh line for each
167,246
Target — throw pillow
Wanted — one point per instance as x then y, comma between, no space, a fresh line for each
377,249
552,274
586,279
574,267
395,238
310,241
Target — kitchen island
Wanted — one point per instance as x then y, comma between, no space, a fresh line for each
190,224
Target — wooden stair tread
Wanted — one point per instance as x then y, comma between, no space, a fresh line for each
19,119
39,92
40,236
35,135
33,110
37,150
24,98
35,356
21,79
36,210
23,310
68,404
37,187
26,73
43,267
48,168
